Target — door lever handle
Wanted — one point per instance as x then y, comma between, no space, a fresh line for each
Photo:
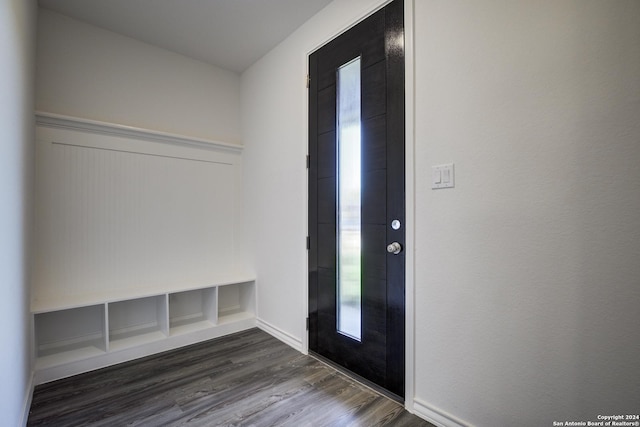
394,248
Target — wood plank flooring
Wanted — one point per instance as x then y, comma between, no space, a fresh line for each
246,379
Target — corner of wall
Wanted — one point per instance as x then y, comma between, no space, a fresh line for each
18,21
28,398
278,333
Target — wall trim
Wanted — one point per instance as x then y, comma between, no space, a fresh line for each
28,399
60,121
278,333
436,416
410,195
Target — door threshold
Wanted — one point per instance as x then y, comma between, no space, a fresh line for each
357,378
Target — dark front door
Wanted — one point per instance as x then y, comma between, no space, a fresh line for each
357,200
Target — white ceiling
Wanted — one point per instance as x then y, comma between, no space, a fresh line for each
230,34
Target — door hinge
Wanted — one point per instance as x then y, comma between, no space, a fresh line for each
308,81
307,323
308,243
308,161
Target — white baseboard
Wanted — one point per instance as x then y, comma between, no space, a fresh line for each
27,400
280,334
436,416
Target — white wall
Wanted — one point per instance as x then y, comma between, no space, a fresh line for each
17,55
273,99
84,71
527,275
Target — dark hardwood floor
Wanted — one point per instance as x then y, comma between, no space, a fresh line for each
245,379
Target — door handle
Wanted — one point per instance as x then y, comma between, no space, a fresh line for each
394,248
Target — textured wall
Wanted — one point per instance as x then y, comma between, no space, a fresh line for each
527,273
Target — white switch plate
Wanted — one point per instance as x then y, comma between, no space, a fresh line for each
442,176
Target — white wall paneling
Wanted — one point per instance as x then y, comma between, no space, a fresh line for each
135,231
118,216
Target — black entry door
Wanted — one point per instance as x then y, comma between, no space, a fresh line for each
357,200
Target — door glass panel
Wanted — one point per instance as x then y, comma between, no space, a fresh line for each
349,200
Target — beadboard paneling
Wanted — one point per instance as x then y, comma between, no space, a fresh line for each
119,215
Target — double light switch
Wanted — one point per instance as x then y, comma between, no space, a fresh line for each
442,176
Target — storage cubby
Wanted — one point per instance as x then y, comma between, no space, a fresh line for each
236,302
101,330
136,322
69,335
192,311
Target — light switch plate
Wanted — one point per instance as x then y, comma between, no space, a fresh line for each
442,176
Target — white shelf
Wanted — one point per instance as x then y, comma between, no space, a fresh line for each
79,337
48,303
44,118
191,327
235,316
136,340
68,356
